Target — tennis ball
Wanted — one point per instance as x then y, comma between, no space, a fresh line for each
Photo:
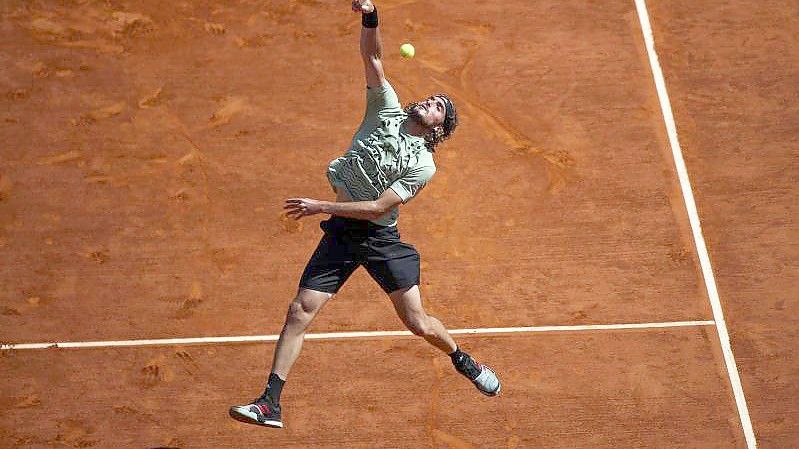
407,50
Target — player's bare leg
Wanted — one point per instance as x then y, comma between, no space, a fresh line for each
408,304
301,313
265,410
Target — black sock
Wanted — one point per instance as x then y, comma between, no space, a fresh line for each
464,364
273,387
456,355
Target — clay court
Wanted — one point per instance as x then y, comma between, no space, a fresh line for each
147,149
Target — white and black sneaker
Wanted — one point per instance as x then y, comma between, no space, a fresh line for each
483,377
261,412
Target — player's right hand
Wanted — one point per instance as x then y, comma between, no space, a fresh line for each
363,6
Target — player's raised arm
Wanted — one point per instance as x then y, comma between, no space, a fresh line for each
371,43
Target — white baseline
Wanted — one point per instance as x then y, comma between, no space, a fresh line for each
344,335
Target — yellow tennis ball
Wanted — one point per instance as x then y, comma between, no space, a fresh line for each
407,50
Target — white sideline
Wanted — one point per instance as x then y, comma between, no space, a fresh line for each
343,335
693,216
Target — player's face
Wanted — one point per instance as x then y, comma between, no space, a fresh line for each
430,112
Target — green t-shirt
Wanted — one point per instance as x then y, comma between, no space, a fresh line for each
382,156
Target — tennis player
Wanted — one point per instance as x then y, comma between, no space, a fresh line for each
389,162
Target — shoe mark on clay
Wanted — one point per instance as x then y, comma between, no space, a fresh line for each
99,114
96,177
187,305
304,34
27,401
130,411
181,194
125,169
155,372
18,94
99,256
60,72
97,171
157,158
256,41
24,440
89,28
151,100
230,107
188,363
581,315
75,433
61,158
451,441
130,24
678,256
30,303
10,311
216,29
41,70
92,176
53,31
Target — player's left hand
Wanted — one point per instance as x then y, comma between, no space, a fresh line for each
302,207
363,6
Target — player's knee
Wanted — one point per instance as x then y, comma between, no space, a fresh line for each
298,315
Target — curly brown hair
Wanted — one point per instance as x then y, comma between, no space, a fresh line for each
443,132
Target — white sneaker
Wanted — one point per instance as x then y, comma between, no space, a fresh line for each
487,382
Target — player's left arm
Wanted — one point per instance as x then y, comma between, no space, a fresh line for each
360,210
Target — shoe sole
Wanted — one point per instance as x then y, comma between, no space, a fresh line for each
242,415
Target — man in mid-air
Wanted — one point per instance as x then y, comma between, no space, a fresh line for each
389,162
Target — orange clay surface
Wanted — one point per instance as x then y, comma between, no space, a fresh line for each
147,150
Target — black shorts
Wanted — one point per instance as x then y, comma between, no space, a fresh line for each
348,244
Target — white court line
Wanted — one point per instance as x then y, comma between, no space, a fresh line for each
343,335
693,216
